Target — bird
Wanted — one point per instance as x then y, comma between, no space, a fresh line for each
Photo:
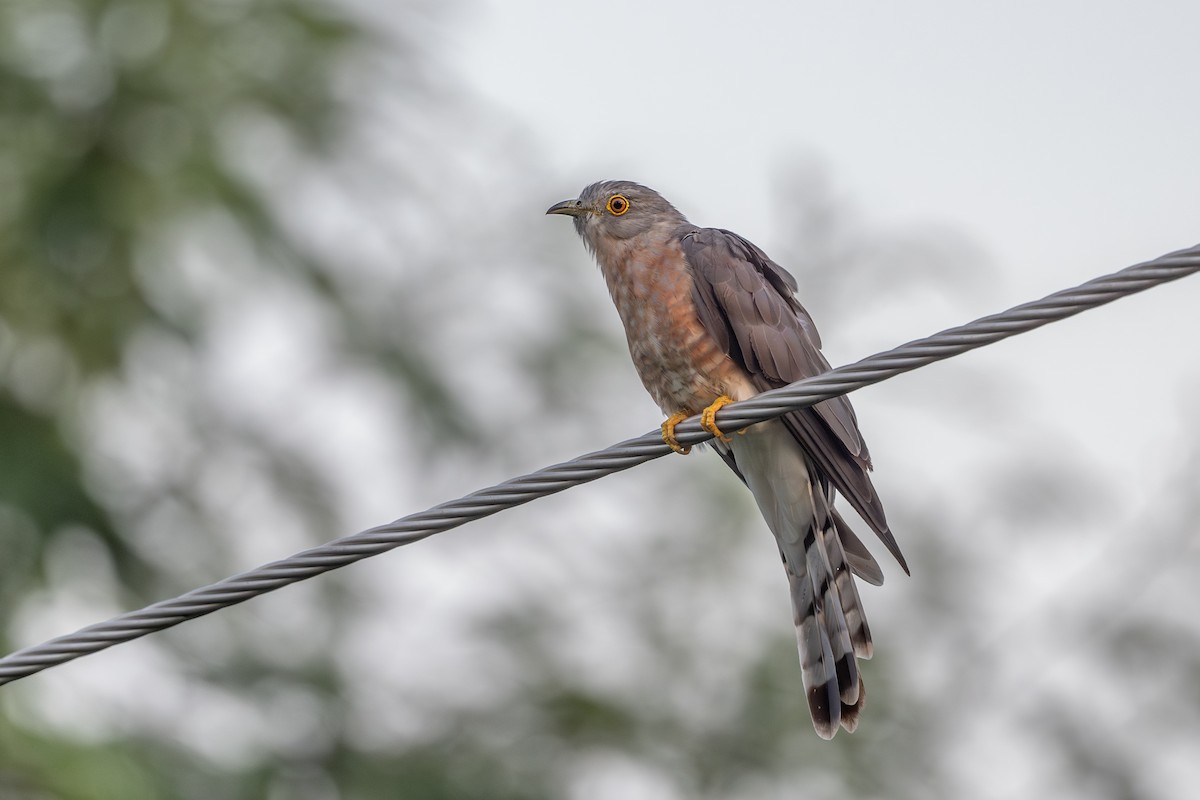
710,319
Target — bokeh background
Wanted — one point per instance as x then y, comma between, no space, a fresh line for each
274,271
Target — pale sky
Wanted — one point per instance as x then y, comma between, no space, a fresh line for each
1045,130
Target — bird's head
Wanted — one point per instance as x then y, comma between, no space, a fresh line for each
616,210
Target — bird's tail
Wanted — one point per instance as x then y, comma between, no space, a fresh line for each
831,629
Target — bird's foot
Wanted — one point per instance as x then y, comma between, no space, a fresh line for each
708,417
668,432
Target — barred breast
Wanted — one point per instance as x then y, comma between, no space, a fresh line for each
680,364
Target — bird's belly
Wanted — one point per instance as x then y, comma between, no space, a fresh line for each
680,364
680,368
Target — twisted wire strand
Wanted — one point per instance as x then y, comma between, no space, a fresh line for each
622,456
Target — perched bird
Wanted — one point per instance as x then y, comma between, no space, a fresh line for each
710,320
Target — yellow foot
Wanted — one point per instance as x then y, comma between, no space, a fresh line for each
708,417
668,432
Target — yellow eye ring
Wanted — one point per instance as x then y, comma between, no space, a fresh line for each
617,205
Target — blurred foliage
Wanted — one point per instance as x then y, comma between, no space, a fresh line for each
111,128
111,117
205,363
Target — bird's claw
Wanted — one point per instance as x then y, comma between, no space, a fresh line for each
708,417
668,432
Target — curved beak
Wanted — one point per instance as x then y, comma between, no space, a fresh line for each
572,208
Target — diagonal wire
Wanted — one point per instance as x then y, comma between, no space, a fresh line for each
630,453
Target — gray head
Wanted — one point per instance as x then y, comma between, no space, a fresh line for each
617,210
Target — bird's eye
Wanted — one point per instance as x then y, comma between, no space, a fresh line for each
617,205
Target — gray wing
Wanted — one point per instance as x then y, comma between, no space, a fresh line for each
747,303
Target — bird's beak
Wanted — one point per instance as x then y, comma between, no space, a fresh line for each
572,208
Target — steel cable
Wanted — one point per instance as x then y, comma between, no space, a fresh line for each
583,469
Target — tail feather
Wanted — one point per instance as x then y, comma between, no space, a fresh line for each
830,612
853,690
831,628
831,632
858,557
833,538
816,659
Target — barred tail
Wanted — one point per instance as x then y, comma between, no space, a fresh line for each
831,629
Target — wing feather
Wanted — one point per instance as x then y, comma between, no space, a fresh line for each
747,303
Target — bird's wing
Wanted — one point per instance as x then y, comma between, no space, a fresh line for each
747,303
